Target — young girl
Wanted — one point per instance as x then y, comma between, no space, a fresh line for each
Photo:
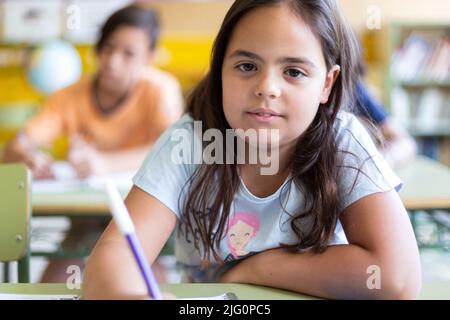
330,219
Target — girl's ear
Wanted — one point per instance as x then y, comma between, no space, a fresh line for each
329,82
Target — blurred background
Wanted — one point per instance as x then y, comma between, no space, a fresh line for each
405,50
48,44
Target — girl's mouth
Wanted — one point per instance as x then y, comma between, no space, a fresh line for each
264,116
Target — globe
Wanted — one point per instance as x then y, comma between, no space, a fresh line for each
53,65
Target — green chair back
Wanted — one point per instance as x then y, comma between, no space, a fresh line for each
15,217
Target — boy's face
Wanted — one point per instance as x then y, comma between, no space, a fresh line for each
122,57
274,74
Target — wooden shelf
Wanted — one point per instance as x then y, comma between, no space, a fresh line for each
440,129
422,84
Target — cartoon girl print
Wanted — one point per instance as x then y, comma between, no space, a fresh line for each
242,227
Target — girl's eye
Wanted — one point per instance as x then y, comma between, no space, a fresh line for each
294,73
246,67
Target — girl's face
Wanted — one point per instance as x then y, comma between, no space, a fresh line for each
274,74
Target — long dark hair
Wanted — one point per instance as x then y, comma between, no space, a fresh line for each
133,15
314,167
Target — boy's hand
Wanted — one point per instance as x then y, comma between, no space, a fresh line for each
41,165
85,159
22,150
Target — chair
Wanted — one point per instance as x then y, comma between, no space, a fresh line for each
15,218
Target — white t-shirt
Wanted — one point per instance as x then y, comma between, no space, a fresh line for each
257,224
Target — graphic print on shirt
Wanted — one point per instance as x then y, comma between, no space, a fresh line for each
242,228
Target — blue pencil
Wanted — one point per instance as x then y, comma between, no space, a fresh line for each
126,227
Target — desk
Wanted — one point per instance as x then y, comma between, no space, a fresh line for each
87,202
430,291
426,188
426,185
79,203
192,290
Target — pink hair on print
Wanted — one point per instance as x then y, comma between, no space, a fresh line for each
248,229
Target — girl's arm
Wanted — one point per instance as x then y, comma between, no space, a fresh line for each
380,239
111,271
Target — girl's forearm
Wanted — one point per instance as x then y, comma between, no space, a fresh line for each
341,272
111,273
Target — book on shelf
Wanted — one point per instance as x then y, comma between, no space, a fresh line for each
400,105
429,109
444,151
437,67
423,59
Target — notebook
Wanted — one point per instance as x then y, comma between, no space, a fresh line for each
14,296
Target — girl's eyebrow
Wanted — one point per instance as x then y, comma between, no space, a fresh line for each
248,54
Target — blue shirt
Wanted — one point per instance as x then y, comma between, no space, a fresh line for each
368,106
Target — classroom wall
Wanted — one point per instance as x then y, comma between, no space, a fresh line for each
415,10
206,16
189,28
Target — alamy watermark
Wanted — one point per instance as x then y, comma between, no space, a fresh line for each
73,17
373,21
73,281
238,146
374,280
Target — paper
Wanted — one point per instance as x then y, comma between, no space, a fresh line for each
66,180
14,296
225,296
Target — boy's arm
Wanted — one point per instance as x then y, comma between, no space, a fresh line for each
21,149
40,132
380,239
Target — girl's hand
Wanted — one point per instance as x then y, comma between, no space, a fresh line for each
169,296
246,271
85,159
231,276
240,272
165,295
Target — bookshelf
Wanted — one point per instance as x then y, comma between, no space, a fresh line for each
418,84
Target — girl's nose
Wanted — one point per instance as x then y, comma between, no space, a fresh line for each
268,87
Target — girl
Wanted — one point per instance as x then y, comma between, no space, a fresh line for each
328,216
